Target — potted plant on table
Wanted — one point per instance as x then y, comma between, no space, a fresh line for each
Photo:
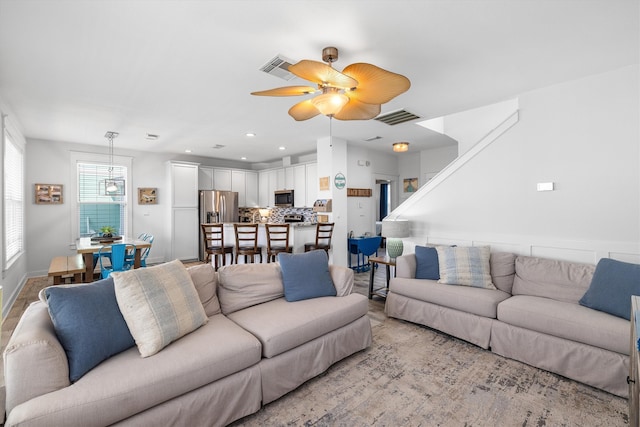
108,231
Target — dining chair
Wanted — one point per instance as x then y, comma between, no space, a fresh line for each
118,252
324,231
213,236
130,257
247,241
277,240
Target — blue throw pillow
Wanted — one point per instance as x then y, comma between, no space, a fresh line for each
611,287
88,323
427,263
306,275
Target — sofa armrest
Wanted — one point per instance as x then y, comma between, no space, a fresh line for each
406,266
34,361
342,279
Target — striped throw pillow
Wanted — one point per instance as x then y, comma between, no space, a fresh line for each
466,266
160,304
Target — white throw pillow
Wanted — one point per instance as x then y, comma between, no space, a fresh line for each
466,266
160,304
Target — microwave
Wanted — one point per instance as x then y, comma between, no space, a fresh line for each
283,198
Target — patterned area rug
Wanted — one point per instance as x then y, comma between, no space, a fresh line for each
414,376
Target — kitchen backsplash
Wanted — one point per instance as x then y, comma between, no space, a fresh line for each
276,215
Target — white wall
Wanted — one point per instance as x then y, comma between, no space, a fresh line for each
434,160
49,228
583,136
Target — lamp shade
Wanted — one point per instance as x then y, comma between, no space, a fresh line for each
330,103
394,231
400,147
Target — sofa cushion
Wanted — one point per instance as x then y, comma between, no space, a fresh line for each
204,280
478,301
244,285
566,320
88,324
306,275
160,304
549,278
611,287
281,325
427,266
503,270
467,266
126,384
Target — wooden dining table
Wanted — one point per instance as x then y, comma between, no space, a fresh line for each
87,248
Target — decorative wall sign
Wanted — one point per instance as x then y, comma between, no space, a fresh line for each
410,185
358,192
147,196
324,183
339,181
48,194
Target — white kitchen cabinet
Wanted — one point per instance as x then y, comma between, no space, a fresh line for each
280,179
239,184
299,185
205,178
289,179
251,179
183,210
311,171
222,179
263,189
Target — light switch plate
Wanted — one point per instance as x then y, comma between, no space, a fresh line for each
545,186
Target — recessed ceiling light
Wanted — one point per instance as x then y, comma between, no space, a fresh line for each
187,151
281,148
243,158
250,134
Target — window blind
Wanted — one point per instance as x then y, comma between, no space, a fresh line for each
13,201
95,208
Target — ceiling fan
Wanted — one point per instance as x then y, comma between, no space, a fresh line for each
356,93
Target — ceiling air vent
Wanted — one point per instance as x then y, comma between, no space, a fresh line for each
279,67
396,117
373,138
218,146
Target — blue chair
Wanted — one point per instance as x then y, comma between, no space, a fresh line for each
118,252
130,257
363,248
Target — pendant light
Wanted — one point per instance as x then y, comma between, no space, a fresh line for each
113,186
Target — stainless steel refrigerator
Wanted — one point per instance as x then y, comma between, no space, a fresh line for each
216,206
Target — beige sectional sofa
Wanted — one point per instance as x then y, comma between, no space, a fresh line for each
254,347
532,316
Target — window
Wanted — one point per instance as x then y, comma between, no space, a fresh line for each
95,209
13,201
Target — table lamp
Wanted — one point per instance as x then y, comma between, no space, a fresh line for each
394,230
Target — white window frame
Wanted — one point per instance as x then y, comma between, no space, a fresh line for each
9,259
81,157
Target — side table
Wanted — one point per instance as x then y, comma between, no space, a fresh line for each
388,263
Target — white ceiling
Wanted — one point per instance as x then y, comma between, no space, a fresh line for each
72,70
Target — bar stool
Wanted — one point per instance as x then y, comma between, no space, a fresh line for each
324,230
277,240
213,235
247,241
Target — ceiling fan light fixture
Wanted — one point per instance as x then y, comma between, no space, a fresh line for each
400,147
330,103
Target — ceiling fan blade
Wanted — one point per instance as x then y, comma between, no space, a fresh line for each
303,110
376,85
319,72
286,91
356,110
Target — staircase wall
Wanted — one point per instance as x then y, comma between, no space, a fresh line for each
583,135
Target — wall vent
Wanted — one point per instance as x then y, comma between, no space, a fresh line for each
396,117
373,138
218,146
279,67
